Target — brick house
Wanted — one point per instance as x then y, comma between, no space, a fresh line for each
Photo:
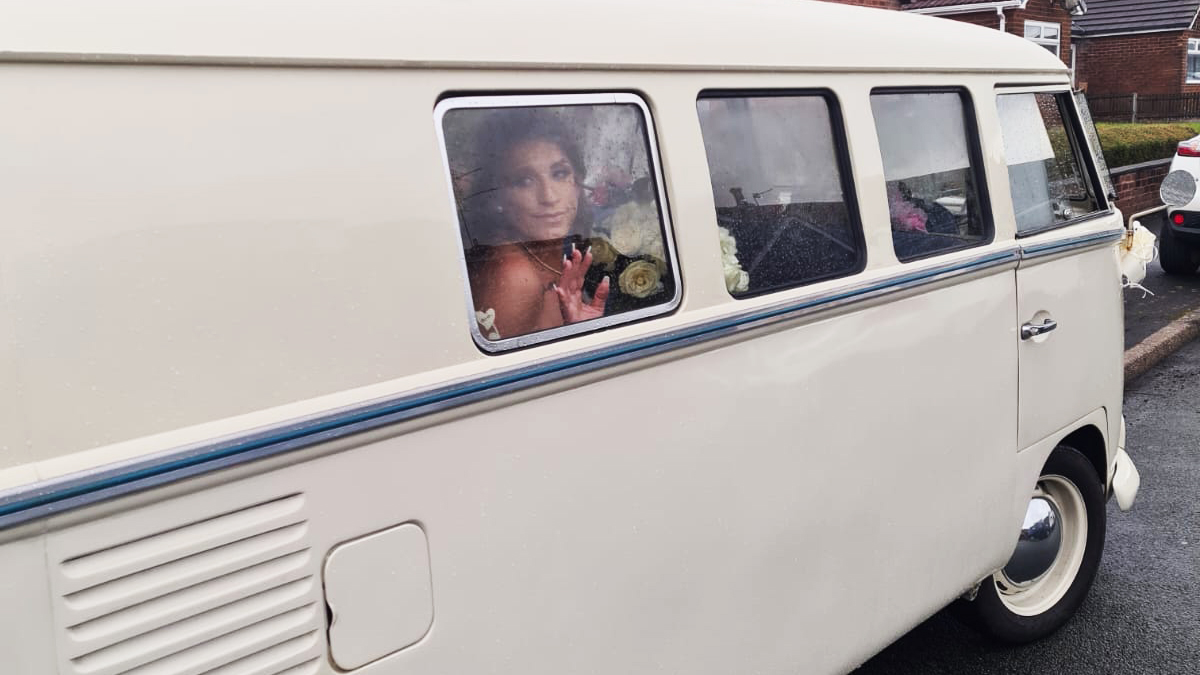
1100,40
1128,46
1046,22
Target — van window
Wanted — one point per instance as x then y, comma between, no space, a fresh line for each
560,214
777,179
1045,174
931,167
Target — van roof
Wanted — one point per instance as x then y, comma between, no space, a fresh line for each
640,34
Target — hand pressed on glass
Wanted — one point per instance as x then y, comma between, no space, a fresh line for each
570,289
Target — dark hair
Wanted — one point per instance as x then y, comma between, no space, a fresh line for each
501,131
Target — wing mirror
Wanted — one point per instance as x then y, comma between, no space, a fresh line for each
1178,188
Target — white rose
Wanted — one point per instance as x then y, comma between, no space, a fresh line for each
634,227
604,253
737,280
658,254
728,243
652,242
627,238
641,279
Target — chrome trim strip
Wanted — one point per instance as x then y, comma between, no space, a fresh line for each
475,66
1027,234
46,498
1093,240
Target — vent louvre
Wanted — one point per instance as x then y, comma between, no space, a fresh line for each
108,596
302,669
292,655
191,600
160,547
233,594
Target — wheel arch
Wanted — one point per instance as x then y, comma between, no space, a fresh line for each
1089,440
1086,435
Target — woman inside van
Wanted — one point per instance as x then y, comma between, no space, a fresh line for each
530,183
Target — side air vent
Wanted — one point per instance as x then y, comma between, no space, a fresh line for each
232,594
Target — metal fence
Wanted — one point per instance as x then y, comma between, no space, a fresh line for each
1143,107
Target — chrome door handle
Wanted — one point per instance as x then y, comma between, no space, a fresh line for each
1032,330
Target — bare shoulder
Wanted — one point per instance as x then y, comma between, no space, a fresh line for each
512,285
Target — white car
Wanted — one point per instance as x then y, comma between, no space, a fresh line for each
1179,241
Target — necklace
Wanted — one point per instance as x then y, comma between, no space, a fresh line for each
557,273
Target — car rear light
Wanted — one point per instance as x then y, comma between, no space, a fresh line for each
1189,148
1177,218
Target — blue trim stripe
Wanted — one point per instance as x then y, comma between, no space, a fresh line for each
1071,244
46,496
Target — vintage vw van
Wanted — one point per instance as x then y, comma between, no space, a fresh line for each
525,338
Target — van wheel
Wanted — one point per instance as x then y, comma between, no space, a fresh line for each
1176,257
1056,558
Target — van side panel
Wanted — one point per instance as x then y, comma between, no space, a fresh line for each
185,244
264,242
27,625
1081,291
590,532
15,446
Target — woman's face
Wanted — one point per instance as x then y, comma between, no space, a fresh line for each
539,194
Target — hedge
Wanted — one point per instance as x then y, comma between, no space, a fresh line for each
1126,144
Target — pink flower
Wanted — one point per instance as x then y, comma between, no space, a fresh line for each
610,181
906,217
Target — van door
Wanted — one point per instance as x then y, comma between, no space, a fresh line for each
1069,316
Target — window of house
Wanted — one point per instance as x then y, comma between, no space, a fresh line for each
1193,61
1045,170
560,212
1048,35
785,212
935,190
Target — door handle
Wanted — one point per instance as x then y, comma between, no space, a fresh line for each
1032,330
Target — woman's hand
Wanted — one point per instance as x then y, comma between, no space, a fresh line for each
570,289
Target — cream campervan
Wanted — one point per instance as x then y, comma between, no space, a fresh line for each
530,337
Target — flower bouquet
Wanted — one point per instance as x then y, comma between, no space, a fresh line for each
627,246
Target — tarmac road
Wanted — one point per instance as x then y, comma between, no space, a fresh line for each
1143,613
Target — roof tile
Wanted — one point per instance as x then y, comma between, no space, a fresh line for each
1114,17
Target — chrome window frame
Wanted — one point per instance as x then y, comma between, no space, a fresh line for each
846,180
978,164
504,344
1080,148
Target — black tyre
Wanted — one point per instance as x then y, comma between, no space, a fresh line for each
1176,257
1024,602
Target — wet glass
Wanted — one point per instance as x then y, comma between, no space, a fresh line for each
782,212
560,217
932,179
1046,180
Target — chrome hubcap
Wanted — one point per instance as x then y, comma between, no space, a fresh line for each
1050,549
1038,545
